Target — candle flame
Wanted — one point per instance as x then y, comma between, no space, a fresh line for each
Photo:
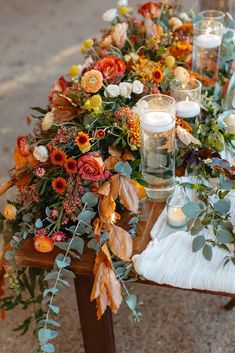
187,99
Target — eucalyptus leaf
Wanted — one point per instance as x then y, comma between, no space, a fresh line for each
92,244
48,348
77,244
131,301
54,308
86,216
62,245
198,243
51,275
191,209
222,206
50,290
44,335
224,236
9,255
38,223
123,168
90,198
207,252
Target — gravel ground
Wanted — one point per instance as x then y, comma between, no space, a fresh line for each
39,41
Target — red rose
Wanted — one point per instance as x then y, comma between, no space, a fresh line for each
151,8
112,68
91,167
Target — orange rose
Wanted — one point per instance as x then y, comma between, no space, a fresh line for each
91,167
92,81
112,68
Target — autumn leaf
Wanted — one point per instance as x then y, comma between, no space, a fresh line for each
107,208
120,242
20,159
106,289
114,151
141,192
128,156
104,189
128,194
110,162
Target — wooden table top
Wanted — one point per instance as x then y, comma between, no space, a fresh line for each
28,256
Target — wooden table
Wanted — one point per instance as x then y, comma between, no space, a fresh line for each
98,336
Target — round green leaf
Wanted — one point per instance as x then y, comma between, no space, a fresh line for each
198,243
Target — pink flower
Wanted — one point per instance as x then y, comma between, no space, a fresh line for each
54,213
119,34
58,236
91,167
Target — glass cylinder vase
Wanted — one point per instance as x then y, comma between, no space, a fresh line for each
206,51
214,15
157,120
188,98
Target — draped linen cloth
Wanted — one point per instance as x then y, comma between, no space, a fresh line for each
169,259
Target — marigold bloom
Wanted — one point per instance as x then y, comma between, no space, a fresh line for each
82,139
92,81
43,244
134,131
71,166
158,75
59,185
58,157
10,212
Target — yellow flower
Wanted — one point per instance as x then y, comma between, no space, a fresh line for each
88,43
74,70
133,125
123,10
10,212
170,61
94,103
83,50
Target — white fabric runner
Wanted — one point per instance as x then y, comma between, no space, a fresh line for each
168,259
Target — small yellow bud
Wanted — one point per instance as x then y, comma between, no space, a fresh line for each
96,101
170,61
123,10
74,70
88,43
83,50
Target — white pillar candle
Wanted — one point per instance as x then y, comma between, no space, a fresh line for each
187,109
157,122
230,124
208,41
176,217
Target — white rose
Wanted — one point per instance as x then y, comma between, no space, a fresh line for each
47,121
40,153
184,16
125,89
123,3
112,91
137,87
110,15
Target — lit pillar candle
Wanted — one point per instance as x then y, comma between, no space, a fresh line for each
208,41
187,109
157,122
230,124
176,217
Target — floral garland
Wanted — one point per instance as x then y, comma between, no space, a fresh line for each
80,168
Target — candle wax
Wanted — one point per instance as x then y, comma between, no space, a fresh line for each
157,122
208,41
230,123
187,109
176,217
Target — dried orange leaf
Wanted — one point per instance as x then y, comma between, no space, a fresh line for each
104,189
120,242
128,156
114,151
110,162
128,194
106,208
106,289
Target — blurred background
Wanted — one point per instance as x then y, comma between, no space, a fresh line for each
40,40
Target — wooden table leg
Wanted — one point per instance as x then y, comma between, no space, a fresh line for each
98,336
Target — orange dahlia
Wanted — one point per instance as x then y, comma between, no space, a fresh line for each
43,244
58,157
59,185
71,166
82,141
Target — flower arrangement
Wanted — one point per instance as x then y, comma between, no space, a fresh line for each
80,167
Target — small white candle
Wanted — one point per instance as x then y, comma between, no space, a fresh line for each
208,41
230,124
176,217
187,109
157,122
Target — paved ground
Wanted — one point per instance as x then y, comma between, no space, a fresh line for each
39,41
